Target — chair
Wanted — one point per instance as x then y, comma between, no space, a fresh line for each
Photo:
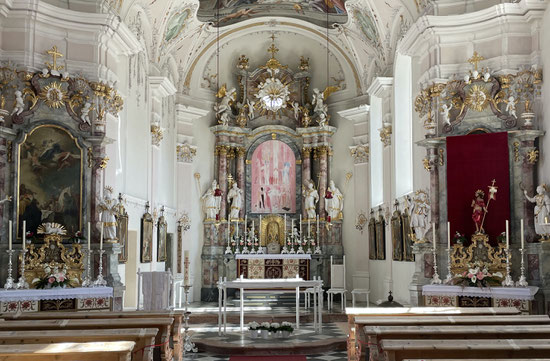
359,291
337,282
308,293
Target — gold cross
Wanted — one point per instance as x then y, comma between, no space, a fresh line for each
54,54
475,59
272,49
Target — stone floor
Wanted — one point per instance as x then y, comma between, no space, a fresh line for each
330,356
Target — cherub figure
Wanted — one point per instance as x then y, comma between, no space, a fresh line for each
19,103
445,110
511,106
85,113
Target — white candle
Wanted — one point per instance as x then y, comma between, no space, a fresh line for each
253,229
434,239
89,235
285,229
24,234
522,235
449,235
246,233
237,230
318,230
101,237
260,231
308,229
228,227
9,234
507,236
186,267
300,225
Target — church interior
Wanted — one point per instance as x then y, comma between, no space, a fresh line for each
280,180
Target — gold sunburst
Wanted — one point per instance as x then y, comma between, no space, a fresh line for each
477,98
53,95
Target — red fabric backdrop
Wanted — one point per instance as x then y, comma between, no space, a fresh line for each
473,161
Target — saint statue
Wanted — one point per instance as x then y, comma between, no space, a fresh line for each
334,202
212,202
542,211
421,216
479,209
223,107
235,197
311,198
109,210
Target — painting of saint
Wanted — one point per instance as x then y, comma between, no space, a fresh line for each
50,179
176,24
161,239
273,178
146,238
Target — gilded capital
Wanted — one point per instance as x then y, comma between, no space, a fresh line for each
185,153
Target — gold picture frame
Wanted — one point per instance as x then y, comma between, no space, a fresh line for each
147,238
397,236
161,239
372,237
380,238
122,236
408,240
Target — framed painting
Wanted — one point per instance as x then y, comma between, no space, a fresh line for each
372,238
122,234
147,238
380,238
161,239
50,176
407,236
397,236
179,249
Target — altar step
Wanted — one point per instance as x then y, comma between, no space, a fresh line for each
266,299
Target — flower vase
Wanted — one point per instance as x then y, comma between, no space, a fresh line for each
253,333
285,334
265,334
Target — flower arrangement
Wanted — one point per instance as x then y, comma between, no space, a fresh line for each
478,276
29,236
459,238
253,326
53,278
286,326
501,238
266,329
78,237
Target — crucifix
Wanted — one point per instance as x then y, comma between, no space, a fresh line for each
475,59
54,54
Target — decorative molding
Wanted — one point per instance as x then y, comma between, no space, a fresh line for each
161,86
360,153
356,115
157,134
381,87
186,153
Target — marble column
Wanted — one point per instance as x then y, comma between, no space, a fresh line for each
240,175
306,164
434,185
222,175
323,167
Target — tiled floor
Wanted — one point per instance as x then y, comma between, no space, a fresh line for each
329,356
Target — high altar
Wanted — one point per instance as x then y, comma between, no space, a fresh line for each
272,170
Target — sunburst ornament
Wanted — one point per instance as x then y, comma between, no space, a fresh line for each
53,95
477,98
273,94
51,228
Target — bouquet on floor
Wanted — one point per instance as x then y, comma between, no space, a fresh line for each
478,275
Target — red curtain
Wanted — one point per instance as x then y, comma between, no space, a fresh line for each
473,161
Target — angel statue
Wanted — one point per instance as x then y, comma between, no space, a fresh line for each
109,210
334,202
223,107
212,202
311,198
445,110
511,106
19,103
235,197
420,215
323,120
320,98
542,211
85,112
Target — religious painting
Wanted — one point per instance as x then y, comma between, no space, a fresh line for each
122,234
408,242
273,178
397,236
50,179
179,248
147,238
380,238
367,26
372,238
161,239
176,24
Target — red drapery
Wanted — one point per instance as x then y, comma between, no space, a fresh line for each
473,161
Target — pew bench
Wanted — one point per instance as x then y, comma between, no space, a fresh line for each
69,351
398,350
142,337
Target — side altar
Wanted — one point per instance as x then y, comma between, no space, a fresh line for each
273,191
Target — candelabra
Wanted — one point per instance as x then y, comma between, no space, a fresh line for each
508,279
188,345
435,278
317,250
449,278
22,284
9,281
228,249
261,249
285,249
300,249
87,282
522,280
253,245
100,281
237,249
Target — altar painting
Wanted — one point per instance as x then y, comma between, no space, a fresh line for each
50,179
273,178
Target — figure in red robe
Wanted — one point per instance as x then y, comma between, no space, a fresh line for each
479,209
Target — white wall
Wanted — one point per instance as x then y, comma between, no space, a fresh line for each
544,120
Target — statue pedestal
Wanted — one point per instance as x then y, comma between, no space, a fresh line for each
423,271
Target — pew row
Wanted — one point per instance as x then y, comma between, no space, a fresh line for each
69,351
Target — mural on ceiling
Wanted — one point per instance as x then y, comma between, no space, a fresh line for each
366,24
227,12
176,24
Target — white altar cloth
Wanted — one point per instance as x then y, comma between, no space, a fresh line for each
515,293
273,256
55,294
259,284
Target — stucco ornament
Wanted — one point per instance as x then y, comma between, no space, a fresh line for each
273,94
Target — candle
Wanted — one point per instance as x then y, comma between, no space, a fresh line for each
522,235
434,240
308,229
186,267
260,231
246,233
449,235
24,234
318,230
253,229
9,234
300,225
228,226
285,229
507,236
237,230
101,237
89,235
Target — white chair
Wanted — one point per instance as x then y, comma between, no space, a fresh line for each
337,283
359,291
308,293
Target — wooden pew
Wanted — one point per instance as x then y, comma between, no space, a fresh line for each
141,336
163,324
376,334
354,348
88,351
397,350
177,335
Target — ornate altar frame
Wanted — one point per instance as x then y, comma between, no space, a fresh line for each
479,250
280,224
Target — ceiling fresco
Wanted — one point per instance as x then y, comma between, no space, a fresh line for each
227,12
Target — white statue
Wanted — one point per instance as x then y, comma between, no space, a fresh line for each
85,113
311,198
542,211
212,201
250,105
235,197
296,108
334,201
323,122
223,107
109,210
19,103
421,215
445,110
511,106
319,102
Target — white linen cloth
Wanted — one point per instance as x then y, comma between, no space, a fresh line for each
55,294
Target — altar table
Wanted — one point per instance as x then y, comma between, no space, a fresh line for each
273,266
261,284
446,295
56,299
